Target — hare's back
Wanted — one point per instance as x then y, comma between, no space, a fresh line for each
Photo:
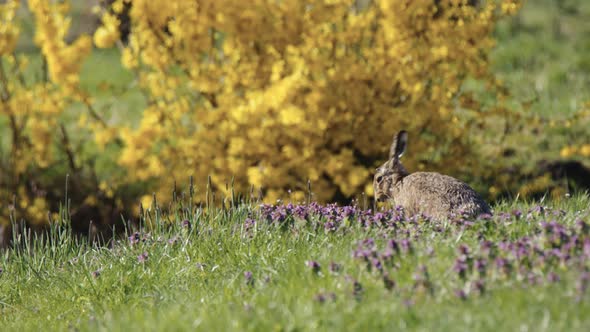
442,194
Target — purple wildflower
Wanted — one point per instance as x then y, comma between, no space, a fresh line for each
300,212
265,211
406,246
143,257
392,244
505,246
186,224
480,265
96,273
369,243
479,286
532,278
537,209
330,226
553,277
387,256
347,212
321,297
249,223
249,278
517,213
464,250
503,265
278,215
315,266
485,216
376,263
521,250
378,218
461,294
330,211
134,238
173,240
362,253
460,267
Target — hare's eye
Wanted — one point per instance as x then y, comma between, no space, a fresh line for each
379,178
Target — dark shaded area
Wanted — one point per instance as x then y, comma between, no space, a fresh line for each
572,175
574,172
125,21
88,223
98,222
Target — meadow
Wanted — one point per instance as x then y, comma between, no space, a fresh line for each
286,267
179,264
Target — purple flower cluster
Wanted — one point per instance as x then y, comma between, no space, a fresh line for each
249,278
314,266
532,259
330,217
138,237
186,224
249,226
382,261
529,256
142,258
324,297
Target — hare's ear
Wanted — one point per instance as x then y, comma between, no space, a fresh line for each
398,147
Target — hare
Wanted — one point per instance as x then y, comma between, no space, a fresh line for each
433,194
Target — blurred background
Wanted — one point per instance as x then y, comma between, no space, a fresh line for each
541,60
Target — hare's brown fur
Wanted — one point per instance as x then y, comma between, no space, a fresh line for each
433,194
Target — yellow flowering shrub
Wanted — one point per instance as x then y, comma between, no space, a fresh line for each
32,109
582,119
271,94
257,94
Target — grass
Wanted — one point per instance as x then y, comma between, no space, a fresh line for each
542,55
197,277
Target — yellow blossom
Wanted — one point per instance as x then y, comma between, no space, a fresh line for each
567,151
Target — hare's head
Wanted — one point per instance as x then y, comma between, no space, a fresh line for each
392,171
